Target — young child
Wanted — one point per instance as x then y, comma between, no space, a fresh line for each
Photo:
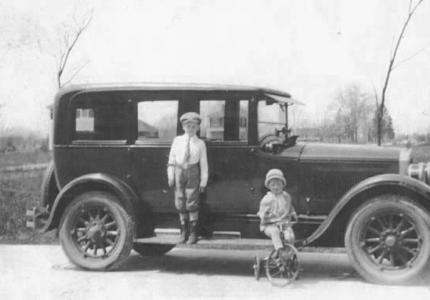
188,171
276,208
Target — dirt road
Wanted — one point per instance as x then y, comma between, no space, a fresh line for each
43,272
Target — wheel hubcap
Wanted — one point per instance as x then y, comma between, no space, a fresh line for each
390,240
95,232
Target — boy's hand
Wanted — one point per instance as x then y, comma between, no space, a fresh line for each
202,189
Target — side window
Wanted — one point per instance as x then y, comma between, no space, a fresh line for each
224,120
212,113
157,120
101,121
84,120
243,120
270,117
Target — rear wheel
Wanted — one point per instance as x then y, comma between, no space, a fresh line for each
152,249
96,232
388,239
257,268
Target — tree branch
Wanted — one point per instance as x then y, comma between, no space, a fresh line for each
409,58
65,56
411,11
75,73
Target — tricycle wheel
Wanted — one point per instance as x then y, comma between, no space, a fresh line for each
282,267
257,267
96,232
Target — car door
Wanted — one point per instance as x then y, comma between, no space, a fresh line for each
232,187
156,125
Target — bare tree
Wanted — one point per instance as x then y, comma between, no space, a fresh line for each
352,113
380,110
70,39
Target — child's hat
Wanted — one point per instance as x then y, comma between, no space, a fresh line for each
190,117
272,174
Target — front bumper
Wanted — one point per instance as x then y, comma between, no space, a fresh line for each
36,217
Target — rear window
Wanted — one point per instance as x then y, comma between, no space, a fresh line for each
101,121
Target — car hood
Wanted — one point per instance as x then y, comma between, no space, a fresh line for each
342,152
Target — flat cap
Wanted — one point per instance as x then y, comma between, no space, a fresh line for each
190,117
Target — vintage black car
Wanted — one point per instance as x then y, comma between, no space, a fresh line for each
106,190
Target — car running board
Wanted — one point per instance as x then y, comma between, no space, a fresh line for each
219,240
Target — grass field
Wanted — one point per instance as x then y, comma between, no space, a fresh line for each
11,159
18,192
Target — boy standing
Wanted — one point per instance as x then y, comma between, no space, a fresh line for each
188,171
276,208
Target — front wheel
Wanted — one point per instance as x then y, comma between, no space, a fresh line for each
282,266
96,232
388,239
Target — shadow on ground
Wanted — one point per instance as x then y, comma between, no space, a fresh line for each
315,266
221,262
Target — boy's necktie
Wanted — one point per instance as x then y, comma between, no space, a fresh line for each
187,153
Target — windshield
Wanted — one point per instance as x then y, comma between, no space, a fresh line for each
271,116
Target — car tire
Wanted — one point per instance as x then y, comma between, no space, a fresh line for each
96,232
388,239
152,249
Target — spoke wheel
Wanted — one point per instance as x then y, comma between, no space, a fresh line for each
96,232
388,240
283,268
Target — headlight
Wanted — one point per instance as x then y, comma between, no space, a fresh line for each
420,171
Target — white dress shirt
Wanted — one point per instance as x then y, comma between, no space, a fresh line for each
197,155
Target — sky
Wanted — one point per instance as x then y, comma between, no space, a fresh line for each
311,49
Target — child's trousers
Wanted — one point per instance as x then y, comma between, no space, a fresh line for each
274,233
187,182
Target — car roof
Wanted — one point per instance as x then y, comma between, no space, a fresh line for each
154,86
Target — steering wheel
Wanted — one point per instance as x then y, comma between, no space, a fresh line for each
269,141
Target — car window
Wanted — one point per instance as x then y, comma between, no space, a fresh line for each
212,113
270,117
224,120
101,121
84,120
243,120
157,120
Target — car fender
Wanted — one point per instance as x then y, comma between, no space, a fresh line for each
351,199
95,181
49,188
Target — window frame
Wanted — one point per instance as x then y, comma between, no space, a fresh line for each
86,100
228,98
156,141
